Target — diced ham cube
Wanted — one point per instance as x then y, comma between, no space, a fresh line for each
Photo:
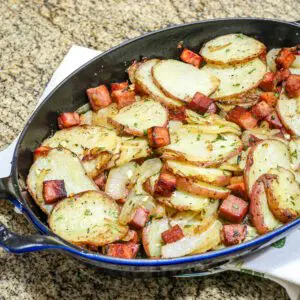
268,84
54,190
158,136
261,109
177,114
282,75
233,234
100,181
68,119
165,185
139,218
242,117
200,103
269,97
212,109
123,97
122,250
132,236
99,97
292,87
274,121
119,86
233,209
41,151
285,58
191,58
172,235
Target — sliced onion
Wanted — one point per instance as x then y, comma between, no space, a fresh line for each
271,55
119,178
149,168
83,109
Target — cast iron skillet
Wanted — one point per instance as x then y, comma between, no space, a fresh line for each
70,94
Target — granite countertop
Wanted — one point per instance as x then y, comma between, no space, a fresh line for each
34,37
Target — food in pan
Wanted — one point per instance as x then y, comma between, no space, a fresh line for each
187,156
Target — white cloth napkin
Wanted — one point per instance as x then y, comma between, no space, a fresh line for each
280,263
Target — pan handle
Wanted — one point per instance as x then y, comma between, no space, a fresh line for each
15,243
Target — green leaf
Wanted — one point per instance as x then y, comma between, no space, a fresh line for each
279,244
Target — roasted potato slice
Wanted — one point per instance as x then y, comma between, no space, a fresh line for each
190,144
136,118
195,244
210,175
128,149
288,110
201,188
252,136
236,80
210,119
181,81
97,163
83,139
100,118
231,49
143,77
262,157
294,149
186,201
151,237
87,218
57,164
262,217
283,193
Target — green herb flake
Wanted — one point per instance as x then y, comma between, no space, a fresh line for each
87,212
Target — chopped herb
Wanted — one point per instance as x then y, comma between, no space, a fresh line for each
235,206
294,154
236,84
198,137
220,137
135,124
251,71
87,212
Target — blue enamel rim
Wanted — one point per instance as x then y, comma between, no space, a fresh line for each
65,246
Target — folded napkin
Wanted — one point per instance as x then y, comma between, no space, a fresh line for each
280,262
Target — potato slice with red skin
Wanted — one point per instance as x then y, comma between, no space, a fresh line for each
261,216
87,218
183,201
283,193
190,144
289,114
144,83
136,118
168,76
151,237
263,156
210,175
201,188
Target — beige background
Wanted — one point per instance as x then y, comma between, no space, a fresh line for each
34,37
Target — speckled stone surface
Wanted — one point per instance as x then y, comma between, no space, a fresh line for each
34,37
